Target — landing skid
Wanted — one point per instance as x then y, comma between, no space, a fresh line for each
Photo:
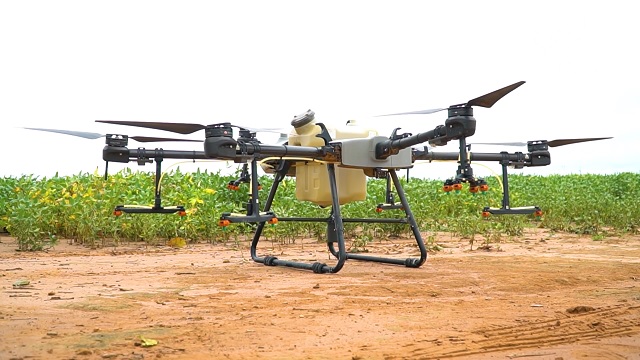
335,228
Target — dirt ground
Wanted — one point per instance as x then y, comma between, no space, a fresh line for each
539,296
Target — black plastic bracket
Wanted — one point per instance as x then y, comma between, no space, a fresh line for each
244,178
324,134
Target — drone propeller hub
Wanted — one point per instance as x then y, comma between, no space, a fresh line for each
460,110
222,146
247,134
117,140
537,145
114,153
460,123
219,130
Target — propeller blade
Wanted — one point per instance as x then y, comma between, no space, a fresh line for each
561,142
157,139
491,98
82,134
502,143
93,136
180,128
429,111
271,130
486,100
282,139
552,143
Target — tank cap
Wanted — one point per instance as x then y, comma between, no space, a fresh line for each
303,119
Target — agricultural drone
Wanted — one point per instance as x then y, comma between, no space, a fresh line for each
331,166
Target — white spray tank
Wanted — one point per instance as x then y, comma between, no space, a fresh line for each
312,178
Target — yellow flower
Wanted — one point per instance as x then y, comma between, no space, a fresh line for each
195,201
209,191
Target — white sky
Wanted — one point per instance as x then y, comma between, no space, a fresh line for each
259,63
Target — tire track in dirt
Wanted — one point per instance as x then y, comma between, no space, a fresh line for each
565,329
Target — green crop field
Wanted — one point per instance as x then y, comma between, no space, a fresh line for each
39,211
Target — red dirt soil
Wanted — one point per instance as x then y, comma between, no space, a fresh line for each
538,296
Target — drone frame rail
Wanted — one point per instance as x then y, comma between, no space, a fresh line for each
335,230
157,208
517,160
506,208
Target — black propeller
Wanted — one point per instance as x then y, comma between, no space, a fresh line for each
552,143
181,128
90,135
486,101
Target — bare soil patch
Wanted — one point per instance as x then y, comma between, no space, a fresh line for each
539,296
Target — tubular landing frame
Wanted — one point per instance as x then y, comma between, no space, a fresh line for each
335,229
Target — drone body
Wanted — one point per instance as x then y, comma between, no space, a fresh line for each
312,177
331,167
